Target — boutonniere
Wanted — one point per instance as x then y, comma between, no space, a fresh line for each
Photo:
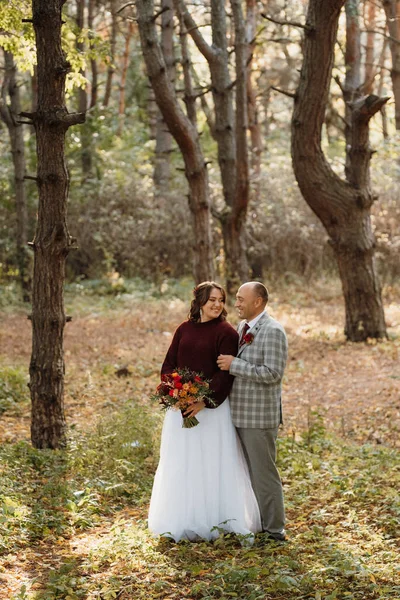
248,338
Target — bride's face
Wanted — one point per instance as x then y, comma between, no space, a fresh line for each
213,307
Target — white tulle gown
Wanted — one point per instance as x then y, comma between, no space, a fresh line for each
202,485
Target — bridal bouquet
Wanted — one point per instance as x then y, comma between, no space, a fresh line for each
182,389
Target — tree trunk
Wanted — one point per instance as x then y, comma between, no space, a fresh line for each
186,137
113,41
152,112
234,223
52,241
370,68
343,207
187,67
34,89
86,135
233,218
352,58
252,109
93,62
124,72
162,166
265,87
392,10
381,82
9,115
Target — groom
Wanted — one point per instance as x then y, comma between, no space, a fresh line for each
255,399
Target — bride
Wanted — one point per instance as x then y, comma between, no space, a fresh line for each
202,485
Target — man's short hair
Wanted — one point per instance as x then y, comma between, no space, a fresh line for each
261,291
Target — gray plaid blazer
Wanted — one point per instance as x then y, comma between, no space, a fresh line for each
255,397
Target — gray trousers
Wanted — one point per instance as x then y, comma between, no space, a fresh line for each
259,446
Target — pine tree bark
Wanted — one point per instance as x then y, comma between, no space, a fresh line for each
343,207
392,10
186,136
52,241
10,114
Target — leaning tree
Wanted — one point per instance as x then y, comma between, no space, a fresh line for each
229,124
52,241
343,206
185,134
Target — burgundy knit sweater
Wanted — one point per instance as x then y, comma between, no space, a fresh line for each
196,346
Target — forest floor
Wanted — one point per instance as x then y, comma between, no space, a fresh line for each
95,545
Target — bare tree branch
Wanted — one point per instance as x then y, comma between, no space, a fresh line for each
284,92
160,12
337,79
383,34
125,6
206,50
283,22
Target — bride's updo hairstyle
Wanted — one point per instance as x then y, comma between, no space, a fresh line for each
202,293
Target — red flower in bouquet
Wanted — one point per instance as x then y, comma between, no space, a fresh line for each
180,390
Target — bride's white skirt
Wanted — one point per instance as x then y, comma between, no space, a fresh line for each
202,481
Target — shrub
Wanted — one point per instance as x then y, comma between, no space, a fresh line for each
13,387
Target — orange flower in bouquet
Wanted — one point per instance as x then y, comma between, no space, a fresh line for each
180,390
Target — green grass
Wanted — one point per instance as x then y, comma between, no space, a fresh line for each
101,295
342,504
114,292
10,295
343,518
13,388
45,494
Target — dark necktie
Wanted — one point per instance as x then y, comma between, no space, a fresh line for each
245,330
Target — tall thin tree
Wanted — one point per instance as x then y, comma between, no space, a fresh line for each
163,150
252,108
124,72
352,83
52,241
185,135
86,136
370,7
112,58
229,120
93,62
392,10
9,113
